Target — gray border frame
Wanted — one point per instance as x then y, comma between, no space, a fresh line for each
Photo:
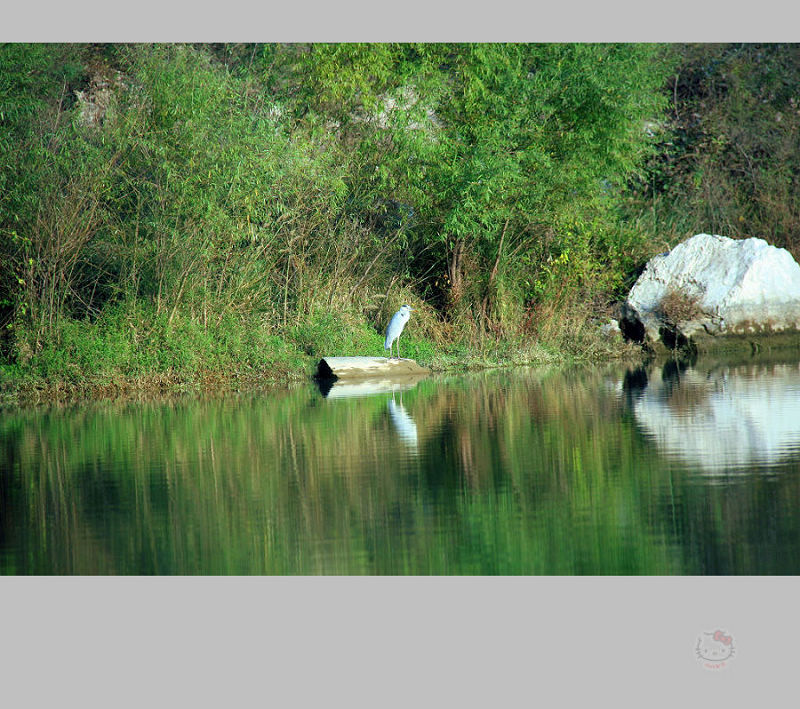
396,641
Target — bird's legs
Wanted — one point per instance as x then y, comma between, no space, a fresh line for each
391,349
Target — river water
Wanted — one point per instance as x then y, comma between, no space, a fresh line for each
662,470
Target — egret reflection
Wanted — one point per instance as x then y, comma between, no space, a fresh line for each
403,423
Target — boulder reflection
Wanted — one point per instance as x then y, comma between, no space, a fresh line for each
348,388
720,419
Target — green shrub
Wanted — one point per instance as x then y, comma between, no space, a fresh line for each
227,208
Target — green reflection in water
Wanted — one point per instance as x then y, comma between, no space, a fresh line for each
513,472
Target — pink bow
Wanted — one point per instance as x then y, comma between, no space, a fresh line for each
720,637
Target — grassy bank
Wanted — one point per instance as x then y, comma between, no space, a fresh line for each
127,355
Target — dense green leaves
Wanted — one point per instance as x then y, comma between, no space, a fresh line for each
491,144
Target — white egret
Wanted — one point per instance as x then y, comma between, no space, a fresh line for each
395,327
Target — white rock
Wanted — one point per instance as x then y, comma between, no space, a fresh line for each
610,329
740,288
